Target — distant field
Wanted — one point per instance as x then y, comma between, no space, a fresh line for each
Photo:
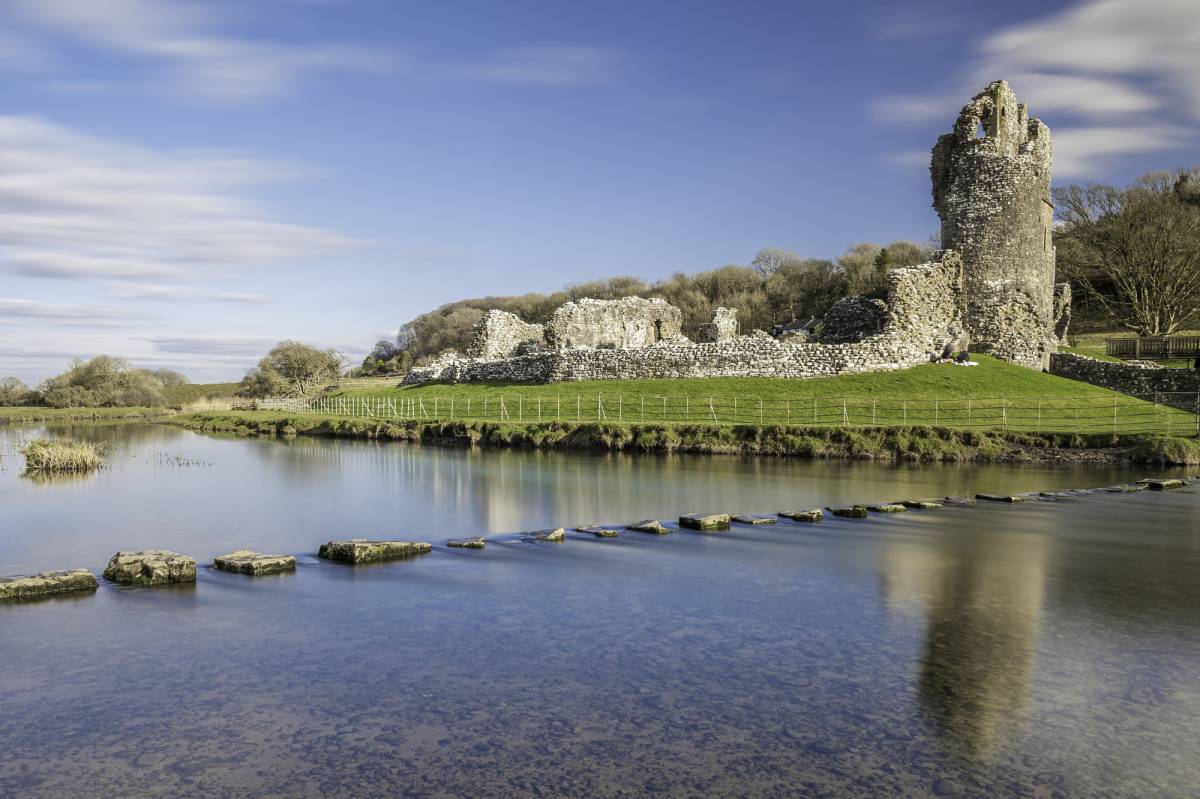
178,396
993,394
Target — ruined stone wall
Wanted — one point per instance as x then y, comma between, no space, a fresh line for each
853,319
627,323
499,334
1179,388
922,317
723,327
992,195
1062,312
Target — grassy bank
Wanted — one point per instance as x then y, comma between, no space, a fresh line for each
36,414
900,443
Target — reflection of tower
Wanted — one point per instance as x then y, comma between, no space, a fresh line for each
991,189
981,596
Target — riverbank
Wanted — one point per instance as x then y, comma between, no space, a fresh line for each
930,444
39,414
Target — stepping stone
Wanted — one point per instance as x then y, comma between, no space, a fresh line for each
705,521
649,526
1056,494
887,507
1002,497
1155,484
814,515
46,583
243,561
556,536
751,519
1131,488
921,504
598,531
150,567
850,511
363,550
466,543
960,500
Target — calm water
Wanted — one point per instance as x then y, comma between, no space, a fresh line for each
1040,650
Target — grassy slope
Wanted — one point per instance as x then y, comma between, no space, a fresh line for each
1092,344
192,392
992,378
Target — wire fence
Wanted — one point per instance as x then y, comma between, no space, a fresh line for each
1166,413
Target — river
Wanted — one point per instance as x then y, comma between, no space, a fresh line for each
1040,649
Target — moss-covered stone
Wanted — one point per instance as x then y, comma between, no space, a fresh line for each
814,515
46,583
921,504
747,518
850,511
649,526
466,543
554,536
887,507
598,531
362,550
1002,497
1161,484
245,561
705,521
151,567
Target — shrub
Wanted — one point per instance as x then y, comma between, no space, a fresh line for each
1167,451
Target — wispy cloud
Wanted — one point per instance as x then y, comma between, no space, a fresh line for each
1101,67
155,292
186,40
17,310
74,206
237,348
550,66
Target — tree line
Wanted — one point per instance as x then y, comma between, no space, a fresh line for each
103,381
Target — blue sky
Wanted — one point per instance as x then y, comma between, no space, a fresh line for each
183,183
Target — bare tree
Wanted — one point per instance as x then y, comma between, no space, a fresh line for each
1136,250
770,260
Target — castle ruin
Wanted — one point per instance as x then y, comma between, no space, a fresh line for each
991,286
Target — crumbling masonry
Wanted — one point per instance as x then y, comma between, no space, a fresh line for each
991,286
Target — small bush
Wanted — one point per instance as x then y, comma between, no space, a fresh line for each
59,455
1167,451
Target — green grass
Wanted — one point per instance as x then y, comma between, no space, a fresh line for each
38,414
991,395
181,396
62,455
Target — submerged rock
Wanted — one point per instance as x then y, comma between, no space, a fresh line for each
1002,497
466,543
649,526
850,511
746,518
705,521
151,567
960,500
46,583
243,561
814,515
598,531
362,550
921,504
557,535
1131,488
1156,484
887,507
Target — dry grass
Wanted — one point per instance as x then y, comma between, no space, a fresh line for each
62,455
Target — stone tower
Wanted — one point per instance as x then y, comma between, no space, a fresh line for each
991,190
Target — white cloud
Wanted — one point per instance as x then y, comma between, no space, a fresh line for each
550,66
74,206
234,348
1122,78
185,39
18,310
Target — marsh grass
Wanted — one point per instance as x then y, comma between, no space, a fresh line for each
62,456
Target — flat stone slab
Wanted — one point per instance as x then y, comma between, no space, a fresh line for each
46,583
466,543
598,531
244,561
648,526
705,521
814,515
363,550
1155,484
887,507
1131,488
850,511
746,518
151,567
555,536
960,500
1002,497
921,504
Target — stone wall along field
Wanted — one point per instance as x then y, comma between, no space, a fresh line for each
1179,388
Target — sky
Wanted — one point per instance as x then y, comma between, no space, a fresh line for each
185,182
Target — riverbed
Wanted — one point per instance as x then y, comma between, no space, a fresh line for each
1037,649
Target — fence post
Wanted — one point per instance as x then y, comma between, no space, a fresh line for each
578,409
712,412
760,413
1114,416
935,412
845,414
1004,413
789,412
452,409
872,411
643,409
620,407
969,412
1039,421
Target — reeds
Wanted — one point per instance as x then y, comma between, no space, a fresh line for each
62,455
